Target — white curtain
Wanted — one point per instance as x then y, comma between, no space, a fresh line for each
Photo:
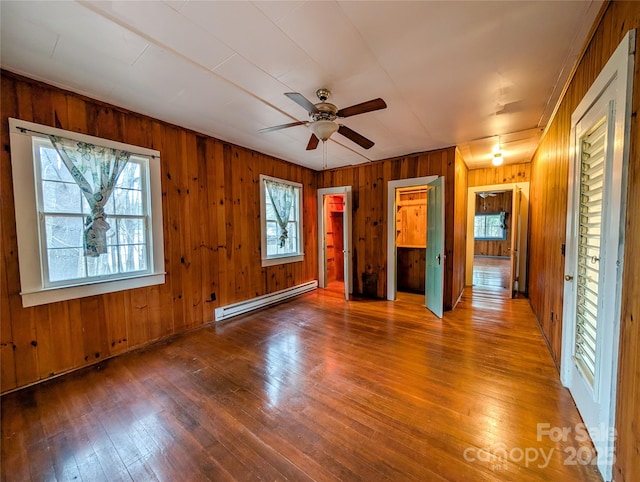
281,196
95,170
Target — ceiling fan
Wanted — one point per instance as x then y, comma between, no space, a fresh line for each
323,117
484,195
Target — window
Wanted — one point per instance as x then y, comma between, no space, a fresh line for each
281,225
87,223
490,227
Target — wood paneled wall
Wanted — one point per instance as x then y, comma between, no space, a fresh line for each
548,219
411,219
504,174
210,192
369,182
501,202
411,266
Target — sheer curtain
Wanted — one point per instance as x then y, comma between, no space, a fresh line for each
95,170
281,196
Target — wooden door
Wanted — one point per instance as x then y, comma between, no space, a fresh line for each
434,283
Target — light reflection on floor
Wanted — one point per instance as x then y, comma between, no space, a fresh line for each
283,354
491,272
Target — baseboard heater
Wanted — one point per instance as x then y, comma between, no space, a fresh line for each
241,307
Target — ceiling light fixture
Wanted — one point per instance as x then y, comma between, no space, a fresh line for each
497,155
323,129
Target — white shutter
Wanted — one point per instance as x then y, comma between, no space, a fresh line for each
590,229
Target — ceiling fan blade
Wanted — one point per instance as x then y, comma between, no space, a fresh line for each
302,101
313,142
282,126
369,106
355,137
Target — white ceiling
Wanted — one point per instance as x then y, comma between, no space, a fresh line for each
452,73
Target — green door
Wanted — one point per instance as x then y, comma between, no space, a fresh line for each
434,281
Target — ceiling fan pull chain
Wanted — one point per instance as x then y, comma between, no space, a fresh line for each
324,155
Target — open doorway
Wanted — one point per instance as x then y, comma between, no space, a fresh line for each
497,221
411,239
334,239
415,239
493,226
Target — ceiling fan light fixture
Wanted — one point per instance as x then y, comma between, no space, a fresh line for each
322,118
323,129
497,159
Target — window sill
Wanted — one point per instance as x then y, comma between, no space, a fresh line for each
282,260
55,294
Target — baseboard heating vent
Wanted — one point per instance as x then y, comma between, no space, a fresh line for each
241,307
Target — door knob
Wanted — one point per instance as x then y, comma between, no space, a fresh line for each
568,277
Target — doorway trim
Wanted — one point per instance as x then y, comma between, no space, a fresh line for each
391,227
524,226
348,275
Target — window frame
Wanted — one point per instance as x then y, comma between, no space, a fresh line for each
275,259
27,184
490,238
114,218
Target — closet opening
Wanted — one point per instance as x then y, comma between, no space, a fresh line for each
334,238
411,239
335,266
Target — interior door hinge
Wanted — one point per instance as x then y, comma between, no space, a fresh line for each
562,249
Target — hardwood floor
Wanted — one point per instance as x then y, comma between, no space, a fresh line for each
312,389
491,272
